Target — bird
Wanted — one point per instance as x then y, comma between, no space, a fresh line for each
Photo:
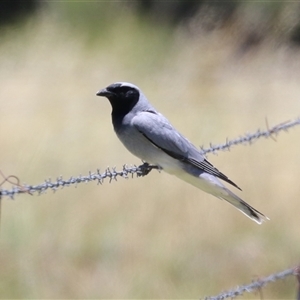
147,134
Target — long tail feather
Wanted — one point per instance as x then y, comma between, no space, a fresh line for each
244,207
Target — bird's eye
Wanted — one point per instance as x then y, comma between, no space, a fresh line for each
125,90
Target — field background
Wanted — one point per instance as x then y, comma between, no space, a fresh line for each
154,237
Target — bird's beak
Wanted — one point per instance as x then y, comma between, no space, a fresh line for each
103,93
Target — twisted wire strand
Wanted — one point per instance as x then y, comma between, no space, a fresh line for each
255,285
113,174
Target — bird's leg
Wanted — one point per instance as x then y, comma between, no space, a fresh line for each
146,168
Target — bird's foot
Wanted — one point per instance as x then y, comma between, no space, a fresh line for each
146,168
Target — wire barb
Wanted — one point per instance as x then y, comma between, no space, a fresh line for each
140,171
255,285
249,138
110,173
145,169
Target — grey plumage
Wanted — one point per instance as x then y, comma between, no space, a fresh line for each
149,135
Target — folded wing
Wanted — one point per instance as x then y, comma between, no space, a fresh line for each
157,129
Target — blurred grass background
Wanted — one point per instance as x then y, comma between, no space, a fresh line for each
154,237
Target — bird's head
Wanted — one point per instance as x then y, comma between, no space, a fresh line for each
122,95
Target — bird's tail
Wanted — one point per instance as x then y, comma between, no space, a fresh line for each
214,186
243,206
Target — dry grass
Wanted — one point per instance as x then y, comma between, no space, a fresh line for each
154,237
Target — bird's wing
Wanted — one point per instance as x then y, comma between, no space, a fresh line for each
157,129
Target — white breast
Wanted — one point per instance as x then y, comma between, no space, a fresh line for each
141,147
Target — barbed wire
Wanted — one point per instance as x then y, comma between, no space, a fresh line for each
113,174
249,138
109,173
256,285
142,170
